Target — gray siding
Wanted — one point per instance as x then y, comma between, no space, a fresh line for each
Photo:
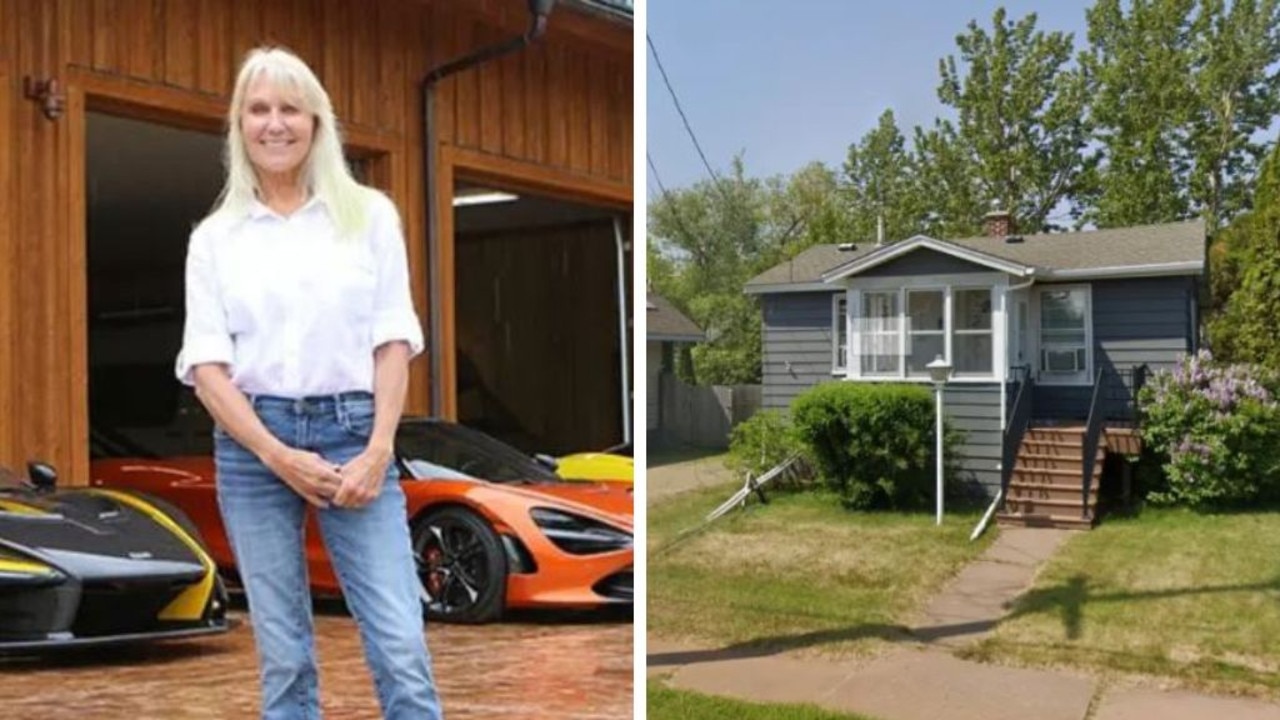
924,262
1135,321
797,330
1140,321
975,410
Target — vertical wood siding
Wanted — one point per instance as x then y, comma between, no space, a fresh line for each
9,90
537,318
563,104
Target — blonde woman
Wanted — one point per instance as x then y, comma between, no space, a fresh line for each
299,331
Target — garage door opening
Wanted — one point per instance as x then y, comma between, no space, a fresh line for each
540,363
147,186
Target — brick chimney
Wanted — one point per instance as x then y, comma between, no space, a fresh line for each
999,224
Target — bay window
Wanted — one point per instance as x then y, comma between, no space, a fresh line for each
898,332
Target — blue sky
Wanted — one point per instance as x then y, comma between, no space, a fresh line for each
787,83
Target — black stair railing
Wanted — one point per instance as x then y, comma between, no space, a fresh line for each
1019,421
1092,433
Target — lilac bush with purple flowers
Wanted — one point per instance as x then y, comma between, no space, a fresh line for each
1218,428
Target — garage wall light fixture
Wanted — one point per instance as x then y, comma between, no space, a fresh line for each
483,198
47,93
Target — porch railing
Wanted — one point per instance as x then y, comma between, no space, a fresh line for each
1093,431
1120,392
1019,421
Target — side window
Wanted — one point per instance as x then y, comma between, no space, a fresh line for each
1064,331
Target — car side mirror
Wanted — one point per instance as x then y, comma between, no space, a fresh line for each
547,461
42,476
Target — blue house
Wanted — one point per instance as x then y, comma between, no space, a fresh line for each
1048,335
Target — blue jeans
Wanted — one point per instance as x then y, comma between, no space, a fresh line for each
369,547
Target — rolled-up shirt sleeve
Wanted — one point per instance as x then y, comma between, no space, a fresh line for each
393,315
205,338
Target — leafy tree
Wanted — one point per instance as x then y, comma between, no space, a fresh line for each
944,173
1245,259
880,185
1237,90
803,209
1181,89
707,241
1138,69
1020,128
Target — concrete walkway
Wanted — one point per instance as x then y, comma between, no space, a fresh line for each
975,600
925,682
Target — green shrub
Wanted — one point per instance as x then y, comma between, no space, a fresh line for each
1217,428
874,443
761,442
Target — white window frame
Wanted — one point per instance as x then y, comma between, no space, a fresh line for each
990,331
855,341
840,320
908,332
1081,377
995,282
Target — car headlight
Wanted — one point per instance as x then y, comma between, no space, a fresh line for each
16,566
578,535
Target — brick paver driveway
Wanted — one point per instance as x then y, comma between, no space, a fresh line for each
552,667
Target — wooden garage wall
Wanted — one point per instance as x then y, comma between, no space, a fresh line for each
562,106
8,190
538,317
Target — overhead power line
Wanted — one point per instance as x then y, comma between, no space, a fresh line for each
688,128
670,200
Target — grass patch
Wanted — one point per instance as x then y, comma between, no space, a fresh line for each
800,572
660,456
1173,593
668,704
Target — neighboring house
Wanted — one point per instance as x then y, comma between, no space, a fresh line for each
1056,314
666,328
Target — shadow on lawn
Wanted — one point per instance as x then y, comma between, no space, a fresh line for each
764,647
1069,598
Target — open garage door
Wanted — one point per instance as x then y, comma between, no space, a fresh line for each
542,320
147,186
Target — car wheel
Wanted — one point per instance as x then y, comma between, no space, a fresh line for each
462,570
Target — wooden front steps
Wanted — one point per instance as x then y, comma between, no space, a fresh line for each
1046,488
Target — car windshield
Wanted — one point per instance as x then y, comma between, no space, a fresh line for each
423,444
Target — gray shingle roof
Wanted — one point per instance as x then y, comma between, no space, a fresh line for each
810,264
664,322
1182,242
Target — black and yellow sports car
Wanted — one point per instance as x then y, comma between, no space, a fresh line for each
88,566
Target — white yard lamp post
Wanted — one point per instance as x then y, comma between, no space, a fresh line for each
939,373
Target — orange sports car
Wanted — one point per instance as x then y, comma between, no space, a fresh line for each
492,528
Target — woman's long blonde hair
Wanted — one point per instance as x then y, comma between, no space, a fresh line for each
324,171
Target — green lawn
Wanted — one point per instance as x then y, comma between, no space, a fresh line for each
669,455
667,704
800,572
1171,593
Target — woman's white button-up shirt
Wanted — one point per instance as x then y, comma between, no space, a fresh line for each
292,309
